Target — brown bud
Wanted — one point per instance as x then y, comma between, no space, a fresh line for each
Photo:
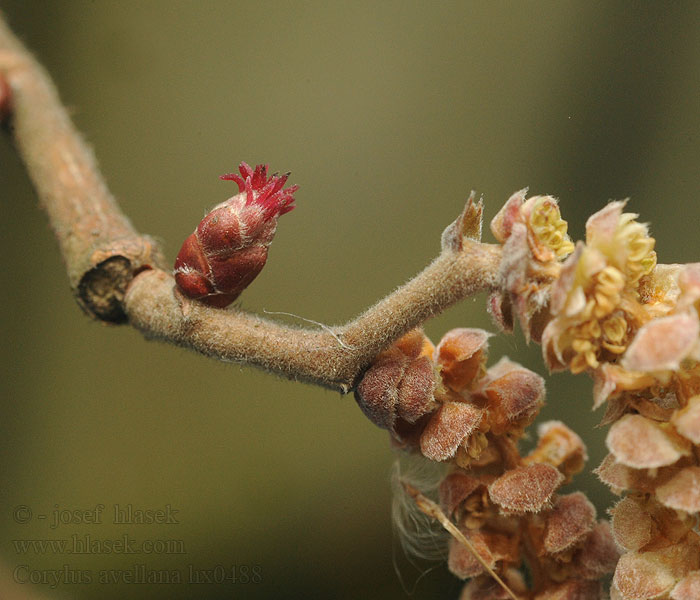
399,385
229,247
466,227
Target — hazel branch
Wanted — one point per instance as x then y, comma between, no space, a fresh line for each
117,276
100,247
331,358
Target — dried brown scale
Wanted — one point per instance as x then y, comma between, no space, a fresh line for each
526,489
571,519
682,491
633,526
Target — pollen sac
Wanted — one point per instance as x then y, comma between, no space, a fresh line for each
398,388
229,247
600,298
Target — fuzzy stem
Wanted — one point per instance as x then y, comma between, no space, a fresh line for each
332,359
117,276
100,247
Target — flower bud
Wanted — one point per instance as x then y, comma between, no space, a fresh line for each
229,247
397,389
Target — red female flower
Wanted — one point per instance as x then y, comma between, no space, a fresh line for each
229,247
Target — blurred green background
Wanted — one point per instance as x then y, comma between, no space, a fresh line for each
387,114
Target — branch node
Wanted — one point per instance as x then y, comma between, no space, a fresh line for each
102,287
